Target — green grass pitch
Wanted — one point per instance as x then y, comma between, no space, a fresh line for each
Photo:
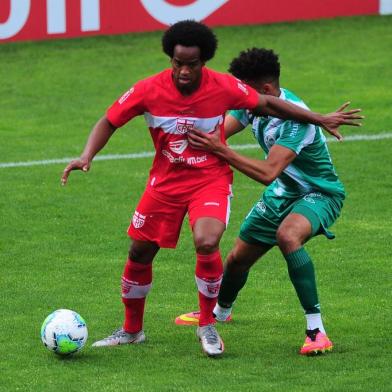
65,247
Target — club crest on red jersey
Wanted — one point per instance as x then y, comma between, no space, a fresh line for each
138,220
184,125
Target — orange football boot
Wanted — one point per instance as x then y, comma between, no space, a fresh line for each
316,342
192,318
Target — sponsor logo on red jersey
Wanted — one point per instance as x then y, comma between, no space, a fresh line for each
172,159
178,146
196,160
125,96
242,87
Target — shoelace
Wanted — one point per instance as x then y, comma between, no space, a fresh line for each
116,334
211,335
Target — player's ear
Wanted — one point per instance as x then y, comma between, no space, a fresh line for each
267,89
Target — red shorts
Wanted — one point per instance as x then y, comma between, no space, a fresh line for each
160,221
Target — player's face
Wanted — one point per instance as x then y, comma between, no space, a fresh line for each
187,68
257,85
263,87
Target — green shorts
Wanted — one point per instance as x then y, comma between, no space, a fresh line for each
264,219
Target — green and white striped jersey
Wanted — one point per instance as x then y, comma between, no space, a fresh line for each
312,170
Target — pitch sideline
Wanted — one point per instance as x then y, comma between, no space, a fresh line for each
148,154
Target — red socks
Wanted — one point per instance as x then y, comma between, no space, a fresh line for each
135,285
209,270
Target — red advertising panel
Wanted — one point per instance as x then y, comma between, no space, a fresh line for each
45,19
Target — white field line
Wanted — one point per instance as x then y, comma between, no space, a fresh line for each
148,154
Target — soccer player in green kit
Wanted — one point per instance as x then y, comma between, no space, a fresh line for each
303,198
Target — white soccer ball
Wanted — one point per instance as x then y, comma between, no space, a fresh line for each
64,332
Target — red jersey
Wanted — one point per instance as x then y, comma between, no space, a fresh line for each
178,168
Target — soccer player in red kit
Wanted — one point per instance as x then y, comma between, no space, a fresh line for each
183,180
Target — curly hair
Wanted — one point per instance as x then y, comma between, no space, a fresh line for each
190,33
256,64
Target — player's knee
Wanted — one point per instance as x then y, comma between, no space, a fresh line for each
135,254
206,245
231,259
287,239
142,254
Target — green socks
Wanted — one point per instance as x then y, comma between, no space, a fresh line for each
301,272
230,287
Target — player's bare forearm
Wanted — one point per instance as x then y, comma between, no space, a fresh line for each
275,107
261,171
98,138
264,171
258,170
248,166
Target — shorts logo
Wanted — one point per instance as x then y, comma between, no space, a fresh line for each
211,203
184,125
178,146
260,206
311,196
138,220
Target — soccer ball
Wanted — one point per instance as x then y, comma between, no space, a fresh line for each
64,332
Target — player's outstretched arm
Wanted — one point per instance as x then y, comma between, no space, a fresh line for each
275,107
99,136
264,171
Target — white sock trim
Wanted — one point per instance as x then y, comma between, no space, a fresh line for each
209,288
221,314
313,321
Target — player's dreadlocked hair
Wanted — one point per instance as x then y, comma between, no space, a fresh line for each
190,33
256,64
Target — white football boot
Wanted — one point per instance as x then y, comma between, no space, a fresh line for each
121,337
210,340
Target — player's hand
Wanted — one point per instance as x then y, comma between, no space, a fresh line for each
205,141
332,121
77,164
